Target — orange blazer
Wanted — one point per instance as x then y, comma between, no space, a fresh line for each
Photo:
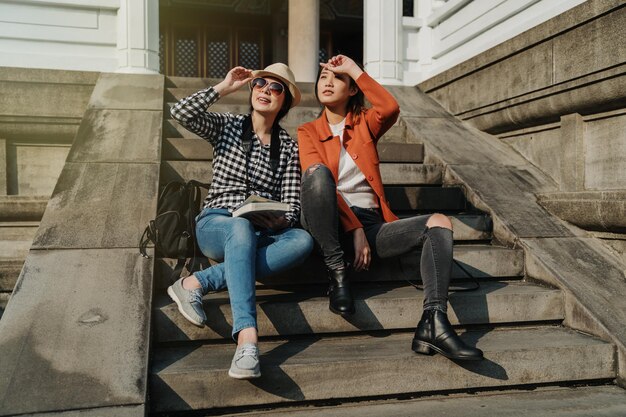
318,145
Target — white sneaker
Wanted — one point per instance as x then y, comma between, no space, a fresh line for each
245,363
189,302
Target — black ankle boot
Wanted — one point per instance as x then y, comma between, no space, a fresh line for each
340,297
435,333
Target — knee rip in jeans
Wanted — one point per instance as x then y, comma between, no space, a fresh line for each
438,219
313,167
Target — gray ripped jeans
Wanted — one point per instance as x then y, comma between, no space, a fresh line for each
321,218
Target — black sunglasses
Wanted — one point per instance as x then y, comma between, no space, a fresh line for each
275,88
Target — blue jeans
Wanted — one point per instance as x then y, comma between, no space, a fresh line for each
247,254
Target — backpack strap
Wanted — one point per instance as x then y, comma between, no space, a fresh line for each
178,269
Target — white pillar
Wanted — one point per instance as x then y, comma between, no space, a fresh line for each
138,36
382,38
304,38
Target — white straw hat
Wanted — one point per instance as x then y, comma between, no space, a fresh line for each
283,73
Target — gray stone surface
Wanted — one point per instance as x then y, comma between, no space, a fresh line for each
128,92
75,334
591,210
331,368
578,15
416,105
3,167
9,271
451,141
500,81
118,136
304,311
572,154
128,411
603,401
508,194
184,149
595,279
543,149
44,99
22,208
562,66
605,152
99,205
598,44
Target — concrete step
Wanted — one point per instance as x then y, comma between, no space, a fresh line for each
188,149
171,128
472,262
392,173
22,208
309,369
304,310
585,401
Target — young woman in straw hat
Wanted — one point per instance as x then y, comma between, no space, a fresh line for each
342,186
252,248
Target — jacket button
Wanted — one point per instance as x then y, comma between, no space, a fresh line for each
355,156
370,178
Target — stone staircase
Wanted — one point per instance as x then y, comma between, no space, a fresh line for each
313,357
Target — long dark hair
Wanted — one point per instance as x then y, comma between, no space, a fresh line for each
285,107
356,103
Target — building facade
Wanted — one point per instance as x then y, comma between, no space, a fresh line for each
399,42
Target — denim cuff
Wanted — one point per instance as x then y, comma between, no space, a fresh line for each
245,325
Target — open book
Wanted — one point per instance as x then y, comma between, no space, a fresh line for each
256,204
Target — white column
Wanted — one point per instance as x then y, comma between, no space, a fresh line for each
138,36
304,38
382,37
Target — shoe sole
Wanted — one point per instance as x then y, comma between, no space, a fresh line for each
425,348
172,294
244,376
342,313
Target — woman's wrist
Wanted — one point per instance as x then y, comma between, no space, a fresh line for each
223,88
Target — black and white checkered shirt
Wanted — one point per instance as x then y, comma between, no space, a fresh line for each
224,131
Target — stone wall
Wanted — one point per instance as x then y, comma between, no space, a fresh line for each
40,112
557,95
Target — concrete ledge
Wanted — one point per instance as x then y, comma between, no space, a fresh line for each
91,351
118,136
99,205
594,281
507,193
592,210
22,207
574,63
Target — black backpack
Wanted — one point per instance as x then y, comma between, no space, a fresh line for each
173,231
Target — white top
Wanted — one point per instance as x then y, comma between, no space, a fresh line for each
352,184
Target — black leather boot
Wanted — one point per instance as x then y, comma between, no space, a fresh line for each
340,297
435,333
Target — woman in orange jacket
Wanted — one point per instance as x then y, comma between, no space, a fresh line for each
342,185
